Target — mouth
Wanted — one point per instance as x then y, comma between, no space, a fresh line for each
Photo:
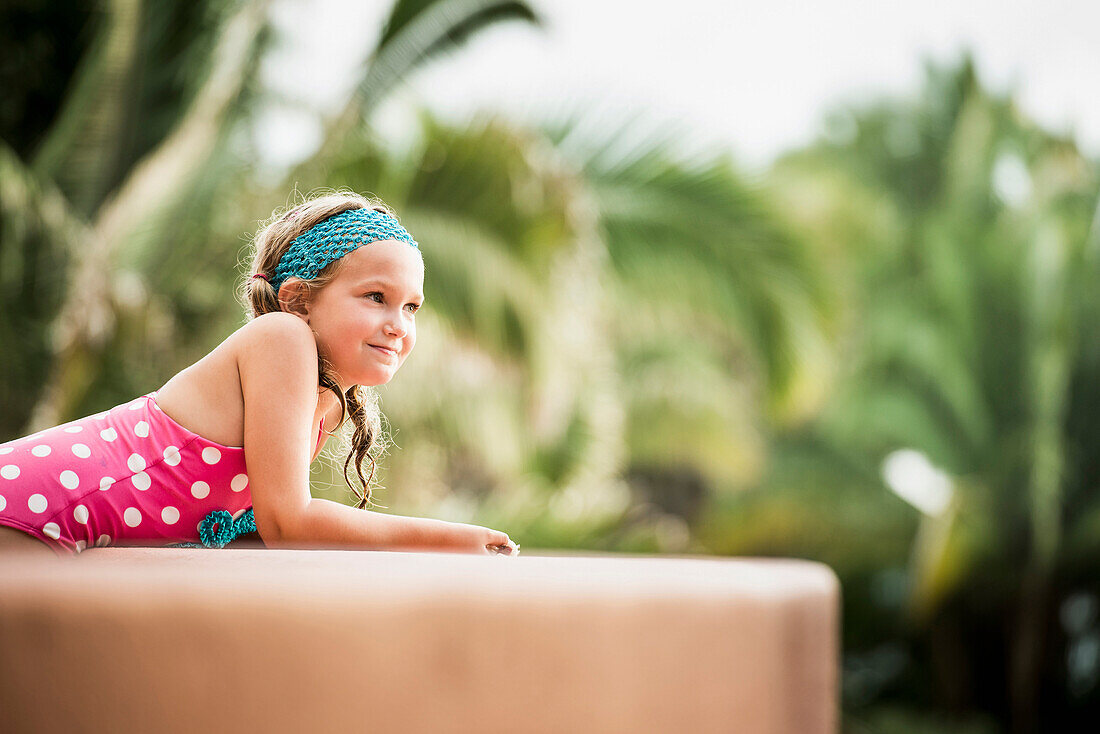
384,350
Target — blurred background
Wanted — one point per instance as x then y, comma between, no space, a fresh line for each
812,282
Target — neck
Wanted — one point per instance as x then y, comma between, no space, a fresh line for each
326,401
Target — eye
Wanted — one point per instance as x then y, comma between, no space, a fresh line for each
413,307
372,296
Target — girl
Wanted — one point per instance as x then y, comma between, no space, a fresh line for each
332,298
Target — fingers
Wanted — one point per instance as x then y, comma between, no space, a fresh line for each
498,543
504,549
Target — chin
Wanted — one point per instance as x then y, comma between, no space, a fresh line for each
375,379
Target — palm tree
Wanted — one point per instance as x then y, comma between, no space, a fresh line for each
721,318
974,348
129,90
139,138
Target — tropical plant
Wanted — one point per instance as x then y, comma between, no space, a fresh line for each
143,133
967,230
721,318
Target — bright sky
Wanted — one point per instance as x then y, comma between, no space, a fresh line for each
754,78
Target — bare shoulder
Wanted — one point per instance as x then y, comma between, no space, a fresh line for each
277,354
276,332
285,344
279,341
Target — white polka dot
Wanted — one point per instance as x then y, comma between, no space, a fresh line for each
108,434
136,405
199,490
74,429
105,483
3,503
81,545
170,515
211,455
51,530
136,462
100,416
141,429
172,455
239,482
6,450
37,503
141,481
132,516
80,514
81,451
103,540
9,471
69,479
41,450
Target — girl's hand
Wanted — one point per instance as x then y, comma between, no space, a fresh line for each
494,542
505,549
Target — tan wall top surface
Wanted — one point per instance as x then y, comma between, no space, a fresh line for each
279,640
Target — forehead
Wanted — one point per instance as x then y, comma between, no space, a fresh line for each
388,260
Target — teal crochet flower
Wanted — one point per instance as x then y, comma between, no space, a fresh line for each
219,528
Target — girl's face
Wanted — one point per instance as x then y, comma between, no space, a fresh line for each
365,318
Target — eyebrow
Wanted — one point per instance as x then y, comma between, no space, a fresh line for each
385,284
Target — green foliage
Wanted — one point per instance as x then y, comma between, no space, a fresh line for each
459,21
36,237
132,86
147,135
973,310
43,42
696,229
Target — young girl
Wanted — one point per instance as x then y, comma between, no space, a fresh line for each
332,296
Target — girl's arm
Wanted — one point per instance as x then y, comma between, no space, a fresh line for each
277,362
331,524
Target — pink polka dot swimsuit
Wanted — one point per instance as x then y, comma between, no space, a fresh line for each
130,475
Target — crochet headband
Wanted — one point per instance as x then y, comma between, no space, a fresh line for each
332,238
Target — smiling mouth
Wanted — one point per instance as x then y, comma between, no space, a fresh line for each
384,350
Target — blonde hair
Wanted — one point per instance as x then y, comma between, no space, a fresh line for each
271,242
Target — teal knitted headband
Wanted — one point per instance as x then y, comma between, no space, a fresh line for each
332,238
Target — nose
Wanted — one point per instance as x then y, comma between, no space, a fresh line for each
395,330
